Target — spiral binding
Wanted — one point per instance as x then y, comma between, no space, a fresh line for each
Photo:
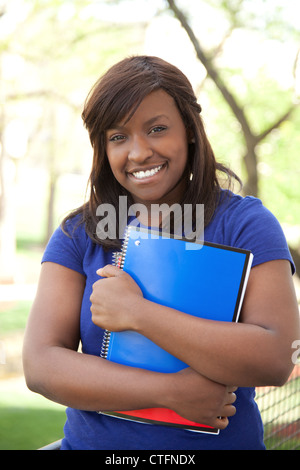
118,259
119,256
105,344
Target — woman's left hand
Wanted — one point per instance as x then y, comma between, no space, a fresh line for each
114,299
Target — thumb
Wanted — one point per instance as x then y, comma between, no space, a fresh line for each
109,271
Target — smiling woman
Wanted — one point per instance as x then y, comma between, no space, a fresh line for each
112,107
148,154
151,150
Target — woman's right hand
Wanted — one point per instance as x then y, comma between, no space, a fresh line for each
199,399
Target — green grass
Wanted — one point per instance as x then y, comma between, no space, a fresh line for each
28,421
14,317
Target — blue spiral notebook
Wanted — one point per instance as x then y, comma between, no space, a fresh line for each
198,278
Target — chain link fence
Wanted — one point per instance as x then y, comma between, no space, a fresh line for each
280,411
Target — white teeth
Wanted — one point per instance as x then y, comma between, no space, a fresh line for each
147,173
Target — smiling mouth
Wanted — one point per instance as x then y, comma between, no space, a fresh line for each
148,173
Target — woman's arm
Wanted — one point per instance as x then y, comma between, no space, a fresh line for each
255,352
55,369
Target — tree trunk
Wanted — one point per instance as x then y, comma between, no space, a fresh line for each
250,161
51,206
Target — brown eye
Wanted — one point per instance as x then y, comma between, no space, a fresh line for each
157,129
116,138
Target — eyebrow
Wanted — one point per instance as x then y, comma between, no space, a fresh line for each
156,118
120,126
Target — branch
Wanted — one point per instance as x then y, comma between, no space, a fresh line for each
220,46
250,138
276,124
41,93
286,115
213,73
296,64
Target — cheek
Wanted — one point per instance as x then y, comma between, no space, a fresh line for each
181,159
115,163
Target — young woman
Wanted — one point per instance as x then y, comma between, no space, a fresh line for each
150,145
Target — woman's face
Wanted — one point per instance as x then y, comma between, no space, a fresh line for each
148,154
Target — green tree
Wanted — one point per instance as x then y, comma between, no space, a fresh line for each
54,50
251,135
258,110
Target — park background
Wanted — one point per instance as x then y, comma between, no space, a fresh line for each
242,57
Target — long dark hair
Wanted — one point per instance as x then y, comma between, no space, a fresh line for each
116,95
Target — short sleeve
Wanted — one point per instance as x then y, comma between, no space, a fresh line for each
254,227
67,249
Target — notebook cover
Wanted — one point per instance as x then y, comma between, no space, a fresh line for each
199,278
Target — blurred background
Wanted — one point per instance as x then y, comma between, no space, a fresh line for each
242,57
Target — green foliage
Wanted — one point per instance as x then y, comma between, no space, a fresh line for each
280,172
256,61
63,46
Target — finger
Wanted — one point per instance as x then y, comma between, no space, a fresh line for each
221,422
231,388
229,410
231,398
108,271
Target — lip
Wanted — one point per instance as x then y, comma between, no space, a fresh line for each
131,172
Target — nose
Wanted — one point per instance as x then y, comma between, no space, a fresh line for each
139,150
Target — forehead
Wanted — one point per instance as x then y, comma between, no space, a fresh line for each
156,103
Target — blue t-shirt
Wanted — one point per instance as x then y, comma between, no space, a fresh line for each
239,222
